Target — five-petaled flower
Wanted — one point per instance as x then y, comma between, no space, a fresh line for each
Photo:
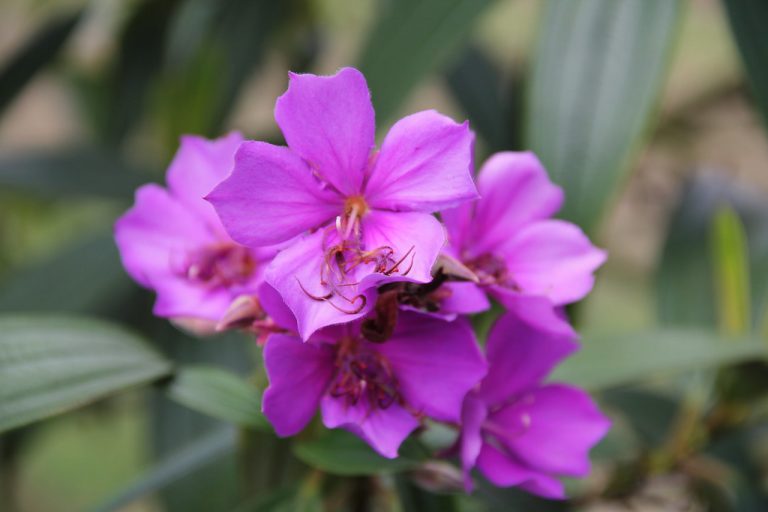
172,241
520,431
362,218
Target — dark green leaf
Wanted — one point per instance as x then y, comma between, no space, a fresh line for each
415,499
342,453
489,101
650,414
747,19
686,291
608,360
410,40
218,393
183,462
597,71
34,55
77,172
85,277
51,364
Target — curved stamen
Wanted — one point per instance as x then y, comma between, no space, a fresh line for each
319,298
393,268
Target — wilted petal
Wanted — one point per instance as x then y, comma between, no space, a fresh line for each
552,258
156,233
198,166
271,196
436,363
561,425
504,471
473,413
329,121
520,356
299,374
425,164
515,191
416,239
296,274
384,429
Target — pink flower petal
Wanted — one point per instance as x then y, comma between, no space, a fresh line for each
198,166
425,164
552,258
465,299
384,429
504,471
436,363
156,232
561,425
459,225
515,191
296,274
271,196
536,311
274,306
299,374
329,121
520,356
473,414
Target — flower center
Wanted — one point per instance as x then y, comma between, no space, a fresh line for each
491,270
221,264
363,374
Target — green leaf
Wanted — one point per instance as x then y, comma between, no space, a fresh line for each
77,172
187,460
490,103
84,277
218,393
415,499
729,247
51,364
342,453
597,72
747,18
608,360
410,40
34,55
685,285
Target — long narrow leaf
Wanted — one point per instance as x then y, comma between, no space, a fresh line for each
596,75
49,365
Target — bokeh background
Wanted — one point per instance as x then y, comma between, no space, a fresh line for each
647,112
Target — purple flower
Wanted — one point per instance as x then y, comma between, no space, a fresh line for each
529,262
364,215
519,431
378,391
172,241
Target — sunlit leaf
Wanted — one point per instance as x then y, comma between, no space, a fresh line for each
747,19
189,459
49,365
607,360
218,393
409,40
731,268
342,453
40,50
597,71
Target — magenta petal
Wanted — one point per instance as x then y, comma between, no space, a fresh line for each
299,374
465,299
295,274
520,357
420,233
271,196
562,424
425,164
329,121
384,429
436,363
473,413
198,166
538,312
458,224
156,233
504,471
553,258
274,306
178,298
515,191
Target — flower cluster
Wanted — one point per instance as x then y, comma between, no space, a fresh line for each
330,251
